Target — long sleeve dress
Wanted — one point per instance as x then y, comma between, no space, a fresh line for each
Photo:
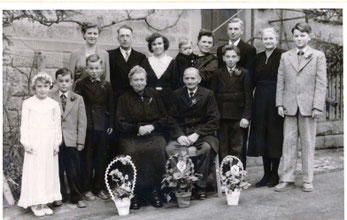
41,130
266,135
147,152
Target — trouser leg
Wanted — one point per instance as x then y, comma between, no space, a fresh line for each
290,130
202,165
100,161
73,173
224,140
86,156
62,168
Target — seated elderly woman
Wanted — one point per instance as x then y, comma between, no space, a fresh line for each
141,118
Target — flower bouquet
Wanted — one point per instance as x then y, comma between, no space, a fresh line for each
179,178
232,178
122,188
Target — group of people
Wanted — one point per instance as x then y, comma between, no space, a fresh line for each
122,102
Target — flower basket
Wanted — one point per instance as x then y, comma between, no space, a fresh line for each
232,178
183,199
122,189
179,178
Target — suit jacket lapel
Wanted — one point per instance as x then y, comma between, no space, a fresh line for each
293,58
186,99
305,60
69,104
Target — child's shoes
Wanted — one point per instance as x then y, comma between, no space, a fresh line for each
37,210
47,210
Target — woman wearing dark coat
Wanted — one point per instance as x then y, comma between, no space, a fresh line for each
266,135
161,68
141,118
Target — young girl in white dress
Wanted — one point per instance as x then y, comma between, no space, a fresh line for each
41,136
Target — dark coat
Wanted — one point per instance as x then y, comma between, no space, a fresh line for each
233,93
266,136
119,69
206,65
132,112
182,63
198,115
247,57
99,102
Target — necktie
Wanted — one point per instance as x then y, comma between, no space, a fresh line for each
126,56
191,94
63,101
300,55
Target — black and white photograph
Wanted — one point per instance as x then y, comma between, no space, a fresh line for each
145,111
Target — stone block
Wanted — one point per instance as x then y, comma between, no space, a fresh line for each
26,29
60,32
66,59
53,59
23,58
333,141
330,127
12,117
320,142
15,103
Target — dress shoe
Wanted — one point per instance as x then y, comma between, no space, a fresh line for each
307,187
58,203
201,194
263,182
103,195
283,186
37,210
155,200
81,204
273,181
135,203
46,210
89,196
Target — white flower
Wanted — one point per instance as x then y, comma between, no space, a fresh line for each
235,170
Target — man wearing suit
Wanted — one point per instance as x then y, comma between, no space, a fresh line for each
247,60
122,60
300,98
99,102
196,120
74,125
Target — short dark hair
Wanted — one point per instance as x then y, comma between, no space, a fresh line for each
63,71
207,33
230,47
93,58
152,38
303,27
125,27
86,26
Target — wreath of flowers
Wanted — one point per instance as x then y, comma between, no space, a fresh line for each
180,175
42,75
232,174
124,187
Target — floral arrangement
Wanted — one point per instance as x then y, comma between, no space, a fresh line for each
179,176
122,186
232,174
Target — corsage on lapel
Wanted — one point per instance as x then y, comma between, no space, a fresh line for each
237,72
308,55
72,98
150,100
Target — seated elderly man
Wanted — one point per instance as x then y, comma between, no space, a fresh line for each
195,121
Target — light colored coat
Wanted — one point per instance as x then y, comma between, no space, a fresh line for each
301,86
73,120
78,62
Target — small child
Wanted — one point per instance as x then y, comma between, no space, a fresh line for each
232,87
41,136
185,58
99,103
74,126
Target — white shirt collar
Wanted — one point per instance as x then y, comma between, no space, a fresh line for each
123,51
65,93
231,69
303,50
235,43
194,91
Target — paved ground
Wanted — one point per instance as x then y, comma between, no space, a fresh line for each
325,202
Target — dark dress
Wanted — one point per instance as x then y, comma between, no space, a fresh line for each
266,135
182,63
206,65
147,152
166,84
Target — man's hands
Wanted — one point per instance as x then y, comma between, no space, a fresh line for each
244,123
145,130
109,131
29,150
80,147
316,113
280,111
188,140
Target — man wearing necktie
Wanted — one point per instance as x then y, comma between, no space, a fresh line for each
300,98
196,120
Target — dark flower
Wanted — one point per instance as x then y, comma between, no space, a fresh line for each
72,98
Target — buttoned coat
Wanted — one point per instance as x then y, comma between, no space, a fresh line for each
233,93
119,69
197,115
99,103
301,86
73,119
78,63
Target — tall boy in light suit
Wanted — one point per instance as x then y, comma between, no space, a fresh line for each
74,127
300,98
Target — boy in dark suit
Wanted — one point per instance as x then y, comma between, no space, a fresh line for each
247,55
232,87
99,101
74,125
